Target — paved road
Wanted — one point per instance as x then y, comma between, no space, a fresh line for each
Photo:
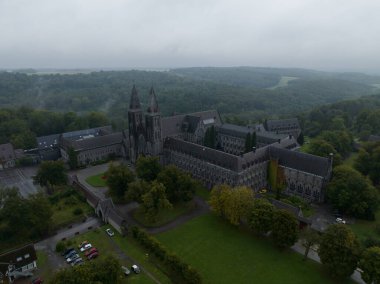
20,178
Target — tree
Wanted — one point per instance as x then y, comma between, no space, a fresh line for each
247,145
301,138
284,229
147,168
51,173
339,250
105,270
136,190
178,184
118,179
261,216
368,161
238,205
320,147
370,264
352,193
73,158
234,204
155,200
309,238
210,137
218,198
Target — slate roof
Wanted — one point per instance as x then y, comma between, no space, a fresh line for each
134,102
281,123
235,130
78,134
269,135
171,125
301,161
94,142
7,152
190,123
48,141
13,254
213,156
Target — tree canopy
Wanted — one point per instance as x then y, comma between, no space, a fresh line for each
370,264
284,229
51,173
339,250
147,168
352,193
118,179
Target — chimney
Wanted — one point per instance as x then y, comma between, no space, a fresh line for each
279,141
290,136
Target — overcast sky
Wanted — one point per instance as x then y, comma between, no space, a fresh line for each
320,34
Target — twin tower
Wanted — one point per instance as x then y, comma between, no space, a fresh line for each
145,135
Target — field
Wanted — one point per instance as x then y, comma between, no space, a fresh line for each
97,180
284,81
164,216
225,254
364,229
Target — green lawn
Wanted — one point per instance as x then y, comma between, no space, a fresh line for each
44,269
165,215
364,229
225,254
97,180
203,192
99,239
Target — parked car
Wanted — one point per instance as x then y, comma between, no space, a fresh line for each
340,221
90,251
135,269
71,259
70,254
67,251
77,261
109,232
82,244
126,271
85,247
37,281
93,255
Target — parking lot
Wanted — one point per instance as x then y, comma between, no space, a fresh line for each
20,178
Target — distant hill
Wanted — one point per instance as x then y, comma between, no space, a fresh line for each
242,92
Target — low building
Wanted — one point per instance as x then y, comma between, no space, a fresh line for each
288,126
18,262
7,156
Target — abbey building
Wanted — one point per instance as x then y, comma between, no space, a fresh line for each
258,156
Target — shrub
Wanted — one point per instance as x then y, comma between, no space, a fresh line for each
77,211
377,229
60,247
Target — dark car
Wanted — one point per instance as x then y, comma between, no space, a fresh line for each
70,254
67,251
93,255
37,281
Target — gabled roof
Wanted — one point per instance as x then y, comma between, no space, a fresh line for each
235,130
153,105
79,134
94,142
7,152
48,141
171,125
134,102
190,123
301,161
20,257
213,156
281,123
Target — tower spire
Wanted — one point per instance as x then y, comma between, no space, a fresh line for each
153,105
134,103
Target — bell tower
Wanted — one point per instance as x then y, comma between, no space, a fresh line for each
137,144
153,125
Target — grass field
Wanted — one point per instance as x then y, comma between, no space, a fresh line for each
364,229
284,81
225,254
164,216
97,180
99,239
